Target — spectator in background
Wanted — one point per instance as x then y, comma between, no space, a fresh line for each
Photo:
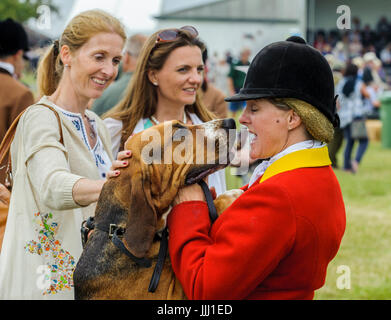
236,78
355,46
340,51
372,63
346,45
320,40
333,37
379,70
383,27
385,55
368,36
335,66
359,62
372,103
356,23
212,97
113,94
14,96
228,57
351,90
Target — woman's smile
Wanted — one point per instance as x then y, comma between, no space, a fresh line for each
100,83
190,91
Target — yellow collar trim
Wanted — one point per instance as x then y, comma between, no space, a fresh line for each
307,158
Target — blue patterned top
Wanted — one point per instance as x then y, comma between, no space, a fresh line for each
102,159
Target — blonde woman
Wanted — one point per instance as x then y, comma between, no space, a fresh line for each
56,183
164,87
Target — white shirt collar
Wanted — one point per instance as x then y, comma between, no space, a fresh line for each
7,66
261,168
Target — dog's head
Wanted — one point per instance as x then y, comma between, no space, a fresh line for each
165,158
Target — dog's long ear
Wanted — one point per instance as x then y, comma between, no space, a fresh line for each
141,223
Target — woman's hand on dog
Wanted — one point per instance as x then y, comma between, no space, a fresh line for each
121,162
189,193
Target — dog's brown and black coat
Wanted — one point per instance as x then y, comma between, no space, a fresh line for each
137,201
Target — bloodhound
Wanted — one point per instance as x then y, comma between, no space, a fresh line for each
137,202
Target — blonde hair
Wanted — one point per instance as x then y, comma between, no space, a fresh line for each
315,122
140,99
78,31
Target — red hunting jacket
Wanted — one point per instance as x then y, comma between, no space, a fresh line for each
274,242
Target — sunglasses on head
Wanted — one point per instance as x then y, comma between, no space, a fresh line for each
173,34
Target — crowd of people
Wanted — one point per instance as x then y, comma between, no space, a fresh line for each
274,242
361,64
355,42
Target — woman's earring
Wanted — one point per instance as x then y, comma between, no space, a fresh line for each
155,84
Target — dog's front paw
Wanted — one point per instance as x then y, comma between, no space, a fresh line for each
224,200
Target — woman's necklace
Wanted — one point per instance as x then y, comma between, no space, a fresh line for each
156,121
92,132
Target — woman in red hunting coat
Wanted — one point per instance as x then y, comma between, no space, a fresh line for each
277,239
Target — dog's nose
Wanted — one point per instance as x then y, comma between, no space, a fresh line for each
229,124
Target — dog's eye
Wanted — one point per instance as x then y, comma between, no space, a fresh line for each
178,126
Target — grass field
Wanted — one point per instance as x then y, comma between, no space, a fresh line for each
365,249
364,258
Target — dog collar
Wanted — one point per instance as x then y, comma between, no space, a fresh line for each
114,233
142,262
306,158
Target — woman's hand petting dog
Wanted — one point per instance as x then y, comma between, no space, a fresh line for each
121,162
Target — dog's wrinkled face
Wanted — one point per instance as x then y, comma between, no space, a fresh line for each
164,158
167,157
172,155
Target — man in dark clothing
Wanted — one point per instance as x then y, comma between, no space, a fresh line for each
14,96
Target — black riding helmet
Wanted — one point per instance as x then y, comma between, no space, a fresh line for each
291,69
13,37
